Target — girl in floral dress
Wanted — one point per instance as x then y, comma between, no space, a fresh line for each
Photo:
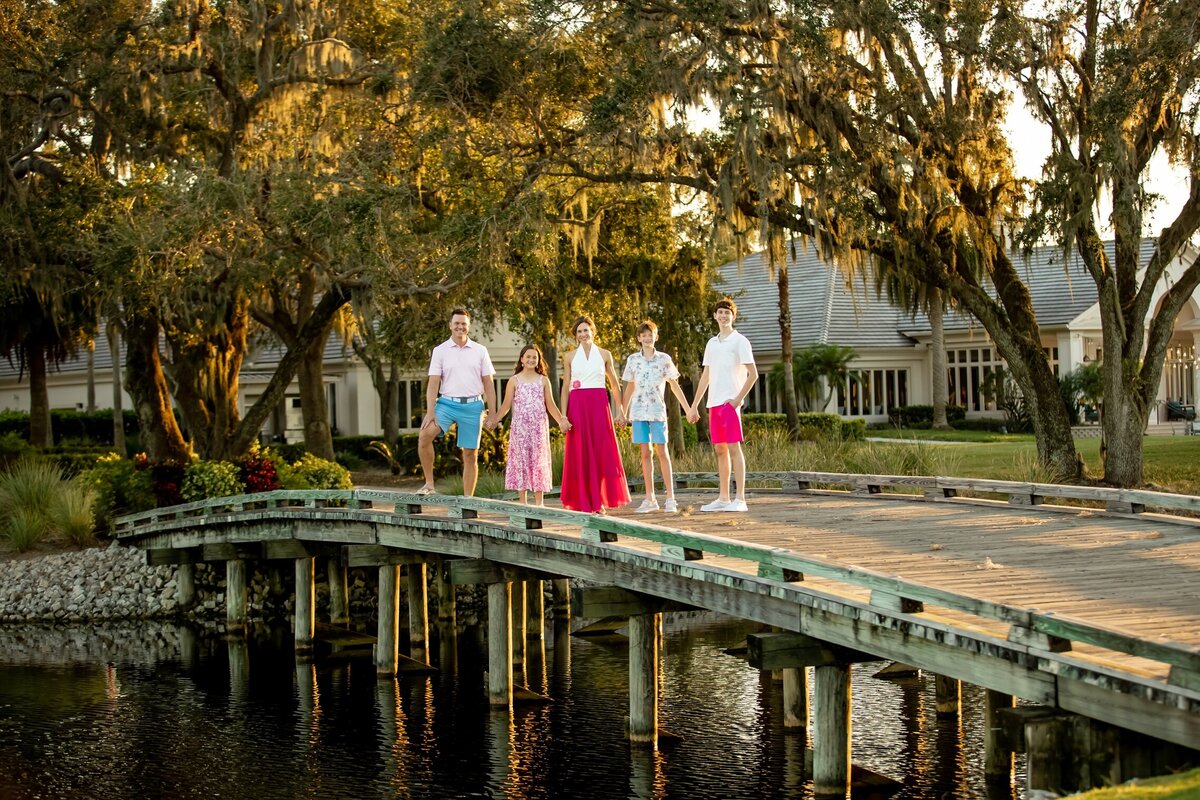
528,395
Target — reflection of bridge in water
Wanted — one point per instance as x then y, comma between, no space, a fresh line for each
1093,613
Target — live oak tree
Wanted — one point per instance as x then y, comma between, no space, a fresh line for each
1116,85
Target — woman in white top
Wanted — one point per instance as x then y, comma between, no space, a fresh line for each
593,479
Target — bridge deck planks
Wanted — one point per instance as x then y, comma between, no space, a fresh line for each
1141,575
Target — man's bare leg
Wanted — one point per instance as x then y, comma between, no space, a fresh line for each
470,471
425,452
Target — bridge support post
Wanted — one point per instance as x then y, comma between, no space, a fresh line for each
535,610
306,605
947,696
517,625
831,729
185,586
560,598
795,699
418,612
235,596
643,679
997,755
339,592
499,686
387,633
447,622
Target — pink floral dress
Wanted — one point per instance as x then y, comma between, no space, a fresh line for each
528,465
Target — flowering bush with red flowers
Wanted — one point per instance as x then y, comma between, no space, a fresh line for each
259,474
166,480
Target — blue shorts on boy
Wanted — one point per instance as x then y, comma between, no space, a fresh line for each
645,432
466,412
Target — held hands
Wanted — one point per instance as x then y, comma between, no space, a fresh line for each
491,422
693,416
565,425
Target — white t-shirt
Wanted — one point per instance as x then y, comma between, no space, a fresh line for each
726,361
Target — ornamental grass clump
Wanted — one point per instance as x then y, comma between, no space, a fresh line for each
38,501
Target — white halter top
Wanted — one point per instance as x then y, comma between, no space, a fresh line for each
587,373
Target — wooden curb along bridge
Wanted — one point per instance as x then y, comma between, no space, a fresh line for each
1091,613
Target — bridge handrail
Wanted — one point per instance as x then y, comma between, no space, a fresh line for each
776,563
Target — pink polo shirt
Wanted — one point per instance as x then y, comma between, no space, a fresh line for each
462,369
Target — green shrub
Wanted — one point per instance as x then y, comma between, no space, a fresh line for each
854,430
317,473
909,416
204,479
95,427
12,446
349,460
356,447
121,488
981,424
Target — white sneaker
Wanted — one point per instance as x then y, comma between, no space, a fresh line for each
671,506
647,506
715,505
736,506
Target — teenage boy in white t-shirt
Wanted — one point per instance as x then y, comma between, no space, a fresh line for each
729,375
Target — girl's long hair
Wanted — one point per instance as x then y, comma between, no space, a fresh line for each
541,367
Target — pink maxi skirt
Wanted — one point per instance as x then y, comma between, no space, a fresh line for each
593,478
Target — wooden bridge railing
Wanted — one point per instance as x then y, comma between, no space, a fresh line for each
891,594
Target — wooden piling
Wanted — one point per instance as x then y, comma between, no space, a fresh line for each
795,700
535,610
185,586
831,729
236,599
643,679
418,612
560,598
499,645
447,622
948,696
388,632
1048,755
517,625
997,755
306,605
339,592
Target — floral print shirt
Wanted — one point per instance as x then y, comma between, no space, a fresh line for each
649,376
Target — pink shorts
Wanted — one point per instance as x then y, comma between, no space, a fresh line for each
724,424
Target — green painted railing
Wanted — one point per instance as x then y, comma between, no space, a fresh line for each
890,594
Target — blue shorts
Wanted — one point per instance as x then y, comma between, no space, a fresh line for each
468,416
649,432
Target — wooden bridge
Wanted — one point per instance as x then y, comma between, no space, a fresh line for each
1091,608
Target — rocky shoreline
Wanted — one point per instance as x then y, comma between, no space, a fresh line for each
114,583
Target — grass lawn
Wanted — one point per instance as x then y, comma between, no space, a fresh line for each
1172,462
1184,786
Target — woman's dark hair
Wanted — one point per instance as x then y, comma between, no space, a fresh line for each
579,321
541,367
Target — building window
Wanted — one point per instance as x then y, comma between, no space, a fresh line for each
872,392
970,377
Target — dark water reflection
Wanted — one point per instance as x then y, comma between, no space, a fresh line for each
191,716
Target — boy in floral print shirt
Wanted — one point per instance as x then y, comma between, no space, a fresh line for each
646,374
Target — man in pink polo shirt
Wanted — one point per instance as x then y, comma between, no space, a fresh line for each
460,379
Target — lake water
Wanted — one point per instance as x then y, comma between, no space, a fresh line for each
159,710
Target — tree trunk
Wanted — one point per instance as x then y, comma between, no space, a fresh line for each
91,376
390,397
316,326
1052,426
551,354
675,425
148,387
785,354
937,310
40,432
207,370
318,439
118,400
